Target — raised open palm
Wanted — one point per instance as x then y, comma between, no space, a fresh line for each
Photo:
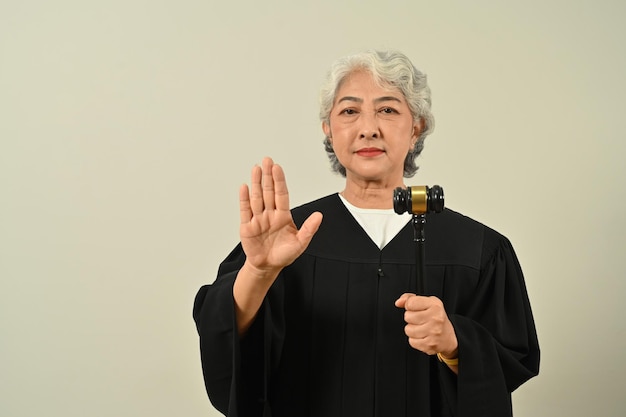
268,234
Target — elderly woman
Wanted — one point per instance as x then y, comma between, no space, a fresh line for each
312,314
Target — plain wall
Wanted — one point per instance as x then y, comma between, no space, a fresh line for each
126,128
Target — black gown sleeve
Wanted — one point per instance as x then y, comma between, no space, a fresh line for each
226,378
498,346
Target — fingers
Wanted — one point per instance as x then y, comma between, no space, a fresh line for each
421,310
267,184
255,193
275,192
267,191
245,212
280,185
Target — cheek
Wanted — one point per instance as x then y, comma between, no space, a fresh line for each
340,133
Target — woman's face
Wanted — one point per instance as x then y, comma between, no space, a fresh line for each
371,130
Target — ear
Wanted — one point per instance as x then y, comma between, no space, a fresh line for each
326,129
418,126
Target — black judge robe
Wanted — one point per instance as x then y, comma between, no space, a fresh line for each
329,341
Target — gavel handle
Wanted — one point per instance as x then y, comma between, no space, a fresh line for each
419,220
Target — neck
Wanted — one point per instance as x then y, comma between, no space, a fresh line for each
370,195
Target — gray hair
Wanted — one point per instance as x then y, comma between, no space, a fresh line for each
389,68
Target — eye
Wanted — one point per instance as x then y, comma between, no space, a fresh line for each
388,110
348,111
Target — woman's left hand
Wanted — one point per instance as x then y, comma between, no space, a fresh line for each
427,325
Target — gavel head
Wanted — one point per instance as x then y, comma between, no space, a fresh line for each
418,199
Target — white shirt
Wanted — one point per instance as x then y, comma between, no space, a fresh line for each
381,225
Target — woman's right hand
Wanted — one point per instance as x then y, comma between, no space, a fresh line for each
269,237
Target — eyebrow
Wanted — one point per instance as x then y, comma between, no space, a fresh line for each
377,100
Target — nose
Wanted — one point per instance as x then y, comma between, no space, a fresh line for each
369,126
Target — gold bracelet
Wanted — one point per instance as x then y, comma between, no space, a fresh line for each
449,362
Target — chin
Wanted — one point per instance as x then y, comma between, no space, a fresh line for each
376,174
367,175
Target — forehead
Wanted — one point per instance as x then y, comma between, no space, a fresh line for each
362,84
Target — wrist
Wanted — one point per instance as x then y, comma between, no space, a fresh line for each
257,273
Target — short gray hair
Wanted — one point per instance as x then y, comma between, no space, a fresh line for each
389,68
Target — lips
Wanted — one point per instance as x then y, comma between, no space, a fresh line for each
369,152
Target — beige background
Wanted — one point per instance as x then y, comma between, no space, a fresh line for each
126,128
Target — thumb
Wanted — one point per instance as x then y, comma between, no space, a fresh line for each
401,302
309,228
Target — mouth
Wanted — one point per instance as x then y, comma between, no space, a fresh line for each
369,152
